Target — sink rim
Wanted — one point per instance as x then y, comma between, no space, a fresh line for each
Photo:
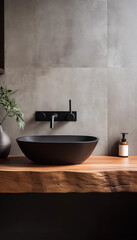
22,139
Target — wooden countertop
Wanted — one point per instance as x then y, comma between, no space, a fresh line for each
97,174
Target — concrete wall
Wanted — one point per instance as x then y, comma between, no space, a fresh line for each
82,50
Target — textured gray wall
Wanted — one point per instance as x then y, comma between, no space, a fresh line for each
84,50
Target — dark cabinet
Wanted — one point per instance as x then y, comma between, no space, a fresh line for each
1,36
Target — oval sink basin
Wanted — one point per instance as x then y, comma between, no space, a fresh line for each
57,149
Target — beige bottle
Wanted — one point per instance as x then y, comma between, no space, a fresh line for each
123,146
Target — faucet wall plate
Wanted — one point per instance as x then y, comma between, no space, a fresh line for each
53,116
61,116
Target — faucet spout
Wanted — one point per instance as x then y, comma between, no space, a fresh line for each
52,120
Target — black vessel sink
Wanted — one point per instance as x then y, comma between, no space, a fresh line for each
58,149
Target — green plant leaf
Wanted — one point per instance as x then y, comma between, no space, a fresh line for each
11,106
13,92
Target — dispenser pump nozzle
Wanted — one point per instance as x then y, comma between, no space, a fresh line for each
123,137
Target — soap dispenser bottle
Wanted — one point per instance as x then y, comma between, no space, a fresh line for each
123,146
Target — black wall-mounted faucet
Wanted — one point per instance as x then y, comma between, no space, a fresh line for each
53,117
56,116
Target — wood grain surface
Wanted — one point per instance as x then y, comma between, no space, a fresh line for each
97,174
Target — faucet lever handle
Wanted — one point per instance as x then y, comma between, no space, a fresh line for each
70,109
70,116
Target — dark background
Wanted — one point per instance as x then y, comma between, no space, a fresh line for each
68,216
2,34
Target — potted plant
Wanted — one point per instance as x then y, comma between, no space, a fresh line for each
11,110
